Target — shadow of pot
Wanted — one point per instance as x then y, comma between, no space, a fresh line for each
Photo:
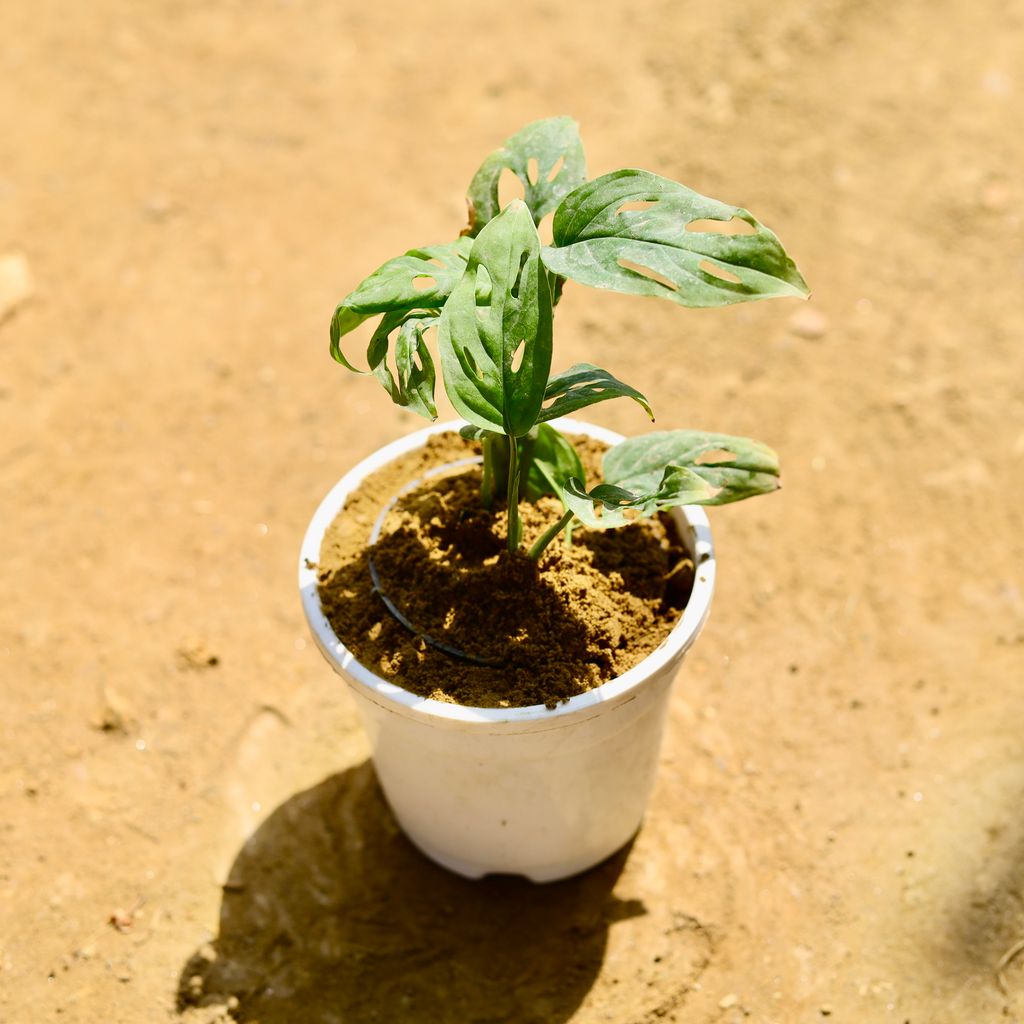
330,915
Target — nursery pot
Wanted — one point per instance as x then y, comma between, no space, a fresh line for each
540,792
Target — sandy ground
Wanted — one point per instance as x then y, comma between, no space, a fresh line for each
185,192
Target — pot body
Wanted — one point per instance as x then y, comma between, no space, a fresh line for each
531,791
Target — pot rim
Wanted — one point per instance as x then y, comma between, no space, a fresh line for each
386,693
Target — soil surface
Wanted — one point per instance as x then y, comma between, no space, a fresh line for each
187,818
438,605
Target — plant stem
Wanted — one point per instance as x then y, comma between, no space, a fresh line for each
514,528
549,535
487,480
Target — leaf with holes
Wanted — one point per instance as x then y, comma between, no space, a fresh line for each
546,156
582,385
648,474
631,231
421,279
413,385
736,467
495,356
553,462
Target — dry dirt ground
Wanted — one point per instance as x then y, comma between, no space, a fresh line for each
185,191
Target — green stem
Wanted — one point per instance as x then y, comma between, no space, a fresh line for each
549,535
514,528
487,481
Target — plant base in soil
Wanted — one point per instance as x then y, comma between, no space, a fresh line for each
532,632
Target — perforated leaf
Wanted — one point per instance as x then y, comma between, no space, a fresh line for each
737,467
647,474
420,279
413,384
582,385
650,251
555,145
496,356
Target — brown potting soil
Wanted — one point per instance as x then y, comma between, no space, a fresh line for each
523,631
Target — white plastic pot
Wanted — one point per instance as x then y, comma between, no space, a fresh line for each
531,791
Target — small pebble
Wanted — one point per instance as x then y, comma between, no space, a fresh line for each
728,1001
121,919
809,324
195,653
995,197
16,284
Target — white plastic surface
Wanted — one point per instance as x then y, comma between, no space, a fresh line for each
530,791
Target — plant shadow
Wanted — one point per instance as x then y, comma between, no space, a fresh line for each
987,920
329,914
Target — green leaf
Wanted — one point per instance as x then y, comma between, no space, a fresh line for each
496,356
647,474
736,466
554,460
421,279
582,385
650,251
549,142
414,387
608,506
473,433
343,321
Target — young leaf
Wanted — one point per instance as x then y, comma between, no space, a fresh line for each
650,251
474,433
414,388
421,279
736,467
644,475
582,385
554,461
550,142
343,321
496,356
608,506
412,280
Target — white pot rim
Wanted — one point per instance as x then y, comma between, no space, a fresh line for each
389,694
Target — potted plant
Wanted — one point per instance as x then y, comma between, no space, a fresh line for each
543,786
